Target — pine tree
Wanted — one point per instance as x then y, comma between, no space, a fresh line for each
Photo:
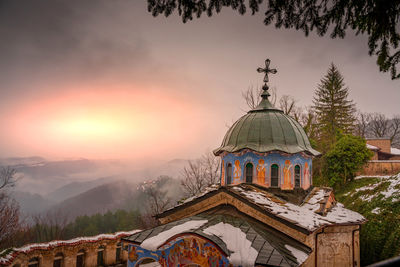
335,112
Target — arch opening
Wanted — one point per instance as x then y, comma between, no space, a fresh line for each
297,178
274,175
249,172
229,174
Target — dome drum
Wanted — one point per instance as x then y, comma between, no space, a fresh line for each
272,169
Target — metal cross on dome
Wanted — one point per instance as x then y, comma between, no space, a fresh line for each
267,70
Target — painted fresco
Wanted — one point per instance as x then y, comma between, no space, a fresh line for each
262,170
306,176
237,172
185,250
223,173
287,175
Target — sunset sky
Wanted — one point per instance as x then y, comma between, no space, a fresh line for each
105,79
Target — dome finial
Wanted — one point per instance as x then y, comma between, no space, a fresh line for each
266,70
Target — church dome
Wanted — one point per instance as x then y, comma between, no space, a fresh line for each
266,129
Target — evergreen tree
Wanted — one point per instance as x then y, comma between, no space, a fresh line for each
335,112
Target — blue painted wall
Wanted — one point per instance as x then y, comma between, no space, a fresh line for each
286,163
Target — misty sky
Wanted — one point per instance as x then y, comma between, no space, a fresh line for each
105,79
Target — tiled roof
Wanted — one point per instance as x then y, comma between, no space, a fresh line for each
271,246
8,255
311,214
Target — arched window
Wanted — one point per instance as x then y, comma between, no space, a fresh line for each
33,262
58,260
274,175
249,173
229,174
297,176
100,256
80,258
118,253
149,262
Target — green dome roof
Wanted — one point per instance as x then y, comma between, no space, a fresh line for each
265,129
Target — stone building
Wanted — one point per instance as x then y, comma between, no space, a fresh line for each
100,250
386,159
264,212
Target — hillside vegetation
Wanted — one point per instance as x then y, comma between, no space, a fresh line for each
378,199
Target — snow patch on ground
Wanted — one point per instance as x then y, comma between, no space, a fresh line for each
368,187
372,176
154,242
298,254
377,210
242,253
390,191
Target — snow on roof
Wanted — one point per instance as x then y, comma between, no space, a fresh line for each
394,151
242,253
154,242
305,215
372,147
8,257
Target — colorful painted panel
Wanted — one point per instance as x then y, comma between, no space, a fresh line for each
184,250
262,170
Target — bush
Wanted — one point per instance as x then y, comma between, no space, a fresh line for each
347,156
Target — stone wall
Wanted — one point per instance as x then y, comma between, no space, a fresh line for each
381,167
45,253
335,246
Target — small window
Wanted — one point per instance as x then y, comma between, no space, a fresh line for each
274,175
80,258
118,253
33,262
58,260
229,174
249,173
297,176
100,256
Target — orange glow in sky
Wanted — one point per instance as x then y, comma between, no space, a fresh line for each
104,123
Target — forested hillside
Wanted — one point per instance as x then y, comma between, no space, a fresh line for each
378,199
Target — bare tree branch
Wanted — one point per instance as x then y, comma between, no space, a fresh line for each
362,124
200,173
252,96
287,104
7,177
379,125
9,217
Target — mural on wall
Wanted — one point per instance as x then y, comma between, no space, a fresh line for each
237,171
185,250
261,173
287,175
263,162
306,176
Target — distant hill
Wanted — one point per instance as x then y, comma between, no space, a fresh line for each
31,203
76,188
67,184
117,195
378,199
